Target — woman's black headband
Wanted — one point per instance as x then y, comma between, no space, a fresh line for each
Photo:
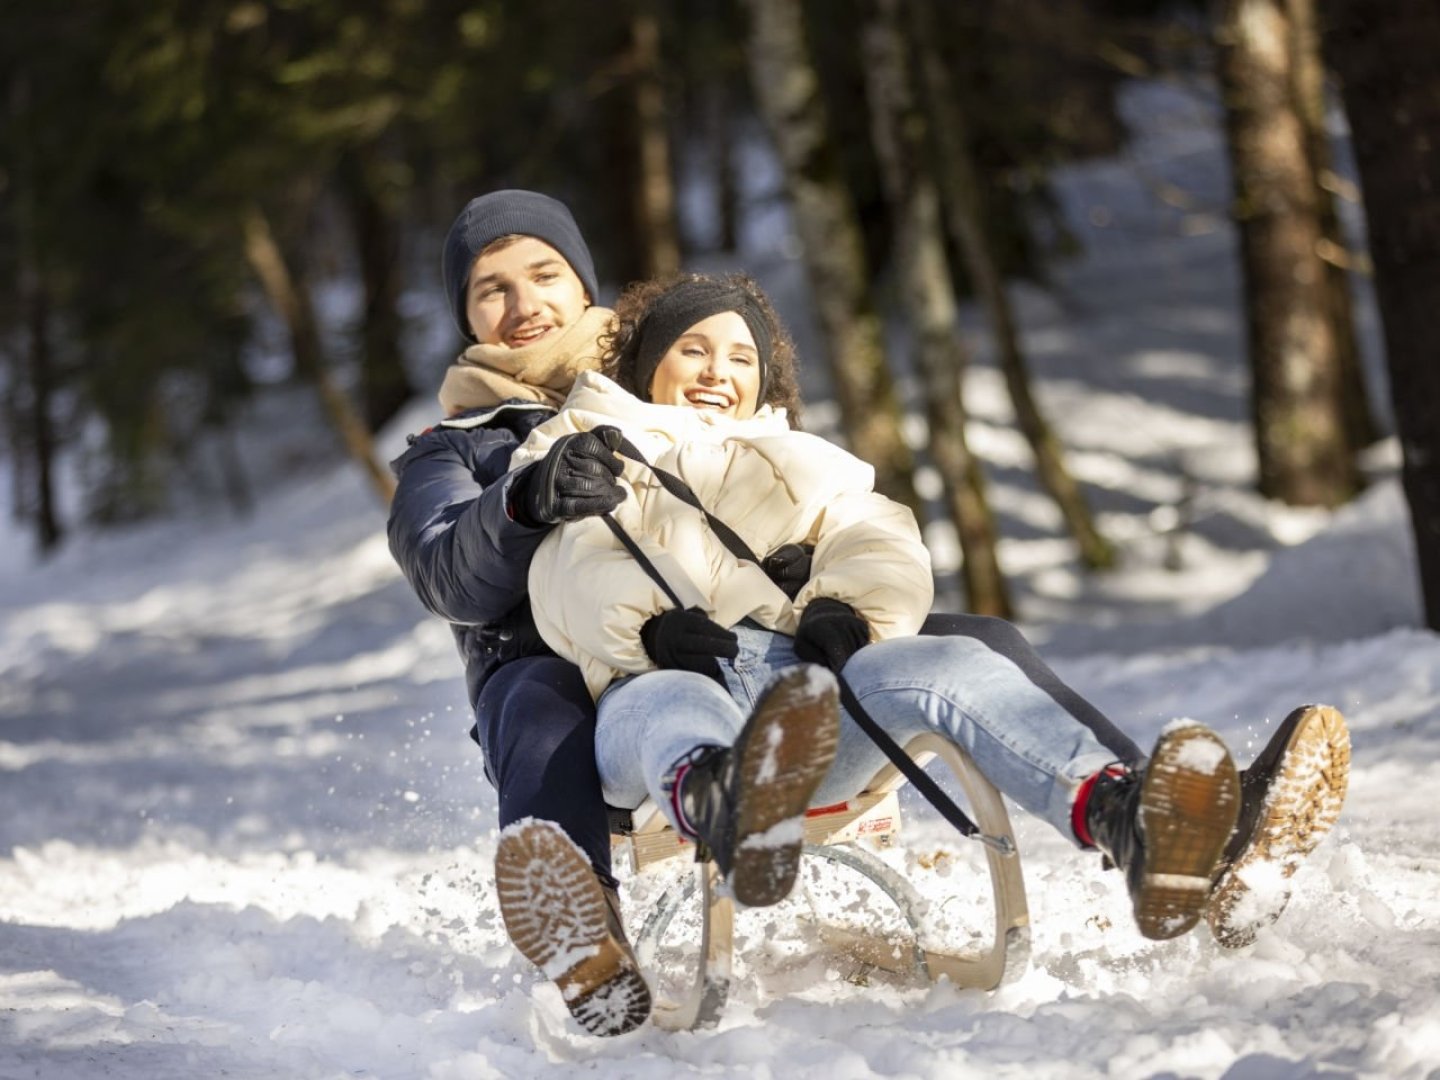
682,306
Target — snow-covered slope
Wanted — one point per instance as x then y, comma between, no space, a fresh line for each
242,832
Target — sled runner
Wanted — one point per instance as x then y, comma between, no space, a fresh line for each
831,834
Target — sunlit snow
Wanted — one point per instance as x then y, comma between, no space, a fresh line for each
243,833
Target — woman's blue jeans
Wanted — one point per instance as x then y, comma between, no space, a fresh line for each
1019,736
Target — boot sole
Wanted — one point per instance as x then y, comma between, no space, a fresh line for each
787,749
1302,805
555,914
1188,802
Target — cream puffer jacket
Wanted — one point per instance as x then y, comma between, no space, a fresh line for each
770,484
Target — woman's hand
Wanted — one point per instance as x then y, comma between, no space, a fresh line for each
830,632
688,639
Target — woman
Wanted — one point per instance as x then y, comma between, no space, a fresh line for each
699,377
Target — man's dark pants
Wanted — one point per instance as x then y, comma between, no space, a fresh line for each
535,722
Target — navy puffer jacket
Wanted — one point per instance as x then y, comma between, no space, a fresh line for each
462,554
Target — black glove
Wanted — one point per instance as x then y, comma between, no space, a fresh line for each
788,566
830,633
688,639
576,479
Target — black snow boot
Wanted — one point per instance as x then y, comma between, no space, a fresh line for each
746,803
1166,826
1290,797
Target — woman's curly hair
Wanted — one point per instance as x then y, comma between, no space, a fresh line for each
621,345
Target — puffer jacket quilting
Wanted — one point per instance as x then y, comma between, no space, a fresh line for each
771,485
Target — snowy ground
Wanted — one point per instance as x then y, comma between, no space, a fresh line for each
242,832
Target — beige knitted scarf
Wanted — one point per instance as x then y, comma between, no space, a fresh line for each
486,375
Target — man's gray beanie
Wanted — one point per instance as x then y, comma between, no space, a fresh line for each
503,213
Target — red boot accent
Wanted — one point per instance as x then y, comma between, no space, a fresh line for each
685,828
1079,810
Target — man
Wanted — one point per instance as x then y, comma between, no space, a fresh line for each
521,286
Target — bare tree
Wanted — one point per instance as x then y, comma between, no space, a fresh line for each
720,124
1385,53
928,294
788,92
656,192
1304,454
964,211
39,424
384,385
292,302
1309,89
30,387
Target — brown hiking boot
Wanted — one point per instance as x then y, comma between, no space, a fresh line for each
565,923
1165,827
746,803
1290,797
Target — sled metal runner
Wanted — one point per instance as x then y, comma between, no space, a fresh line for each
831,834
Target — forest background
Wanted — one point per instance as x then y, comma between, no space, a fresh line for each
205,203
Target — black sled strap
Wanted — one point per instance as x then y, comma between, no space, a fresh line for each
923,781
912,772
682,491
640,557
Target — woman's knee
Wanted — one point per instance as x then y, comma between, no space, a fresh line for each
897,660
663,691
667,706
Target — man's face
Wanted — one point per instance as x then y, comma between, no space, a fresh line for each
522,292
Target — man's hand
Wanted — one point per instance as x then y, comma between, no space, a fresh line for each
688,639
830,632
575,480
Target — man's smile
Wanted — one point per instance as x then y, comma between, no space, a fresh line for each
528,335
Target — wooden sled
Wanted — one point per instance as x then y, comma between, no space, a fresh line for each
831,834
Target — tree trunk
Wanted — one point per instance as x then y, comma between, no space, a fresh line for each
42,438
964,216
1309,89
788,94
384,386
1304,456
15,437
38,377
928,293
293,304
619,230
232,472
721,105
656,193
1385,54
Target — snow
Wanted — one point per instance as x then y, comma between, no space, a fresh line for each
769,767
1266,883
819,683
242,832
555,877
781,834
1200,755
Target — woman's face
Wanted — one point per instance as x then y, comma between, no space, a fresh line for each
712,366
